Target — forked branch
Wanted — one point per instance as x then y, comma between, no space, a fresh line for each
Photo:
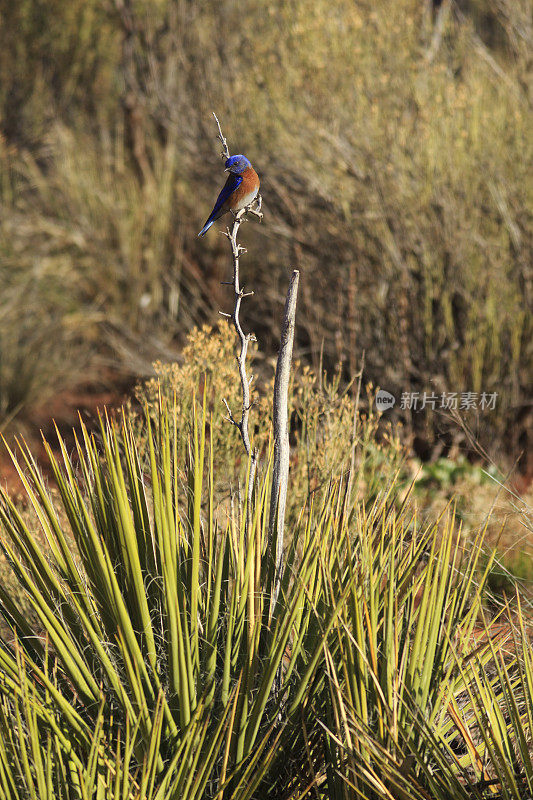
244,338
225,148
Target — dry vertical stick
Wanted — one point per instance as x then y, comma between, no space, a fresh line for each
280,476
244,338
354,430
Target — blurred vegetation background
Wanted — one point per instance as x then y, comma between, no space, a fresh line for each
393,140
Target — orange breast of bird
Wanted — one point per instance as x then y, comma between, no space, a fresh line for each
247,190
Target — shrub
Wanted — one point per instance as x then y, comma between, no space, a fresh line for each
326,429
154,666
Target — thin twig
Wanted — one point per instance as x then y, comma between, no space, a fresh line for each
438,32
225,153
244,338
354,427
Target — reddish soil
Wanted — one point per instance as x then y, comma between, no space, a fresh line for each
64,410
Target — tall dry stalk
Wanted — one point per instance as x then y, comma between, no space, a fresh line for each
280,474
244,338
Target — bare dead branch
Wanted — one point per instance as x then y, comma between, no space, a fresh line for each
280,475
438,32
225,148
244,338
354,429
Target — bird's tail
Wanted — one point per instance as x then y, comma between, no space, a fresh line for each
206,227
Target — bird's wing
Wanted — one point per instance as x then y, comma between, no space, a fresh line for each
233,182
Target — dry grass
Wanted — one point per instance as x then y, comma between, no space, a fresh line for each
321,412
397,183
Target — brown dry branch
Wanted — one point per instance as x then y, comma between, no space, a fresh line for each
225,148
280,473
244,338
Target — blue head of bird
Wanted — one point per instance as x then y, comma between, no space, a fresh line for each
236,164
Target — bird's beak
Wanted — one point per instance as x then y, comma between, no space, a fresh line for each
228,169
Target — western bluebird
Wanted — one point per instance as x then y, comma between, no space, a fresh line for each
238,192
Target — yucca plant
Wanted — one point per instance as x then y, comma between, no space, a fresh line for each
153,623
38,758
149,663
484,747
419,704
500,703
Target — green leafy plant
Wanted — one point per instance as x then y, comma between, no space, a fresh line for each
154,623
424,698
152,665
